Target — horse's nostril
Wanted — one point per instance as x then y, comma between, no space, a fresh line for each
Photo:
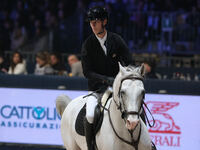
131,125
128,122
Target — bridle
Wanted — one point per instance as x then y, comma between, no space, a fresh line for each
121,105
124,113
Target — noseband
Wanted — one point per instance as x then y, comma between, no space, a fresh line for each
125,113
121,105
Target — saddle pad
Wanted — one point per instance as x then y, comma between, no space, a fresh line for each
79,125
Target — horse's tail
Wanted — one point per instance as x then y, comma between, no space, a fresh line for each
61,103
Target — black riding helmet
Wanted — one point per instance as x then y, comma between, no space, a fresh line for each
97,13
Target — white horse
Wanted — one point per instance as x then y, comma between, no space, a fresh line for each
122,127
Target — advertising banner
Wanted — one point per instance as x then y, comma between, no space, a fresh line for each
177,124
29,116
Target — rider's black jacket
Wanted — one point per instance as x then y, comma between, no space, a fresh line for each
97,66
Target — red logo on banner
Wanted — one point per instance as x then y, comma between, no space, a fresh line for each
164,123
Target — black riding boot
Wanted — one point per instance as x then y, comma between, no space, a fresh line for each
89,134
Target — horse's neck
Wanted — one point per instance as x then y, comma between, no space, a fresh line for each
115,115
119,123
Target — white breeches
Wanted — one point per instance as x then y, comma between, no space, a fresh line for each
91,103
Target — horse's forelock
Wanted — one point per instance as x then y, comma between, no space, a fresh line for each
131,67
130,72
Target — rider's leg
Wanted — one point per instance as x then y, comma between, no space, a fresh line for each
92,102
89,134
88,122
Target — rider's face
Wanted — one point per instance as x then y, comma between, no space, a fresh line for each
97,26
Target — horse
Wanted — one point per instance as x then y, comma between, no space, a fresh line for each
122,126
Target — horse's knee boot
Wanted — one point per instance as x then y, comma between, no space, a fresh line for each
89,134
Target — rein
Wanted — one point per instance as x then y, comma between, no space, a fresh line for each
124,114
133,142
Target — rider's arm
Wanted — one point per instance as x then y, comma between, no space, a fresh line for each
87,69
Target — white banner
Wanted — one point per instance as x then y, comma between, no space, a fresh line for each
177,124
29,116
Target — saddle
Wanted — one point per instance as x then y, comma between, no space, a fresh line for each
98,115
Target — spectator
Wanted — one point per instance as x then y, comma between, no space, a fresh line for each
42,64
57,65
150,71
167,28
18,38
41,41
5,35
3,65
17,65
76,66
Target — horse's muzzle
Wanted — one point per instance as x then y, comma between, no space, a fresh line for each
131,124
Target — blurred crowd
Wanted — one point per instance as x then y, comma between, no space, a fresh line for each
45,64
53,63
163,25
23,21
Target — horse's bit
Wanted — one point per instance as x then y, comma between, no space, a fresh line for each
125,113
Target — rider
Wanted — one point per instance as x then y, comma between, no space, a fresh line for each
101,53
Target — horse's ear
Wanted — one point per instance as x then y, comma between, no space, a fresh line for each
121,68
142,69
